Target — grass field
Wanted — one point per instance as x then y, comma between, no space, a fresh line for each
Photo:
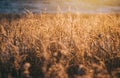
60,46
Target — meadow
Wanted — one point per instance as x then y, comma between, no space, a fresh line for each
60,46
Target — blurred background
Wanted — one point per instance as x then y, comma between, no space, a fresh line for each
54,6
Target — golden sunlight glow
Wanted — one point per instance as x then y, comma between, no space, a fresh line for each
105,2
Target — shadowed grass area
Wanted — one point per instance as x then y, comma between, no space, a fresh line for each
60,46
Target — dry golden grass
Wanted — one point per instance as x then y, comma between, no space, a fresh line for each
60,45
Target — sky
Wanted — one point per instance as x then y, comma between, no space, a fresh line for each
94,5
82,6
99,2
103,2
